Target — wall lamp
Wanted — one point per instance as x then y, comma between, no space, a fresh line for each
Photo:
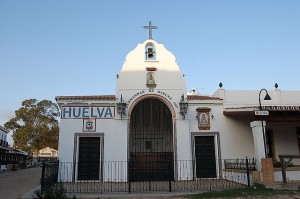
183,106
267,97
121,106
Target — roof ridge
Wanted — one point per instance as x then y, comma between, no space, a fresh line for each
202,97
86,97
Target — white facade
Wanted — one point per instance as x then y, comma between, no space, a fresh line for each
3,134
226,119
3,148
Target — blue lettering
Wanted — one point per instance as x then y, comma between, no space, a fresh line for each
78,113
85,111
66,112
108,112
92,112
100,113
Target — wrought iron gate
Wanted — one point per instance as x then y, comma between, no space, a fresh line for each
151,142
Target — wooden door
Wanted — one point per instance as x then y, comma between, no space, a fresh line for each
205,157
89,158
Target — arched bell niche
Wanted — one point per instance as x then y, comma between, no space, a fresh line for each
150,51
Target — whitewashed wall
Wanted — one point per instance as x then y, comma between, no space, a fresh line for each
133,73
250,97
290,176
236,139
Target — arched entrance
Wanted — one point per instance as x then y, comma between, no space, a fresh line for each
151,141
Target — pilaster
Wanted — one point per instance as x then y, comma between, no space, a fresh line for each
259,144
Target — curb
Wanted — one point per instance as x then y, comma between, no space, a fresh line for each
123,195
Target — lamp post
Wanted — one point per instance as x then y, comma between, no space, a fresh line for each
267,97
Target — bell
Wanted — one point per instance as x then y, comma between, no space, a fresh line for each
150,53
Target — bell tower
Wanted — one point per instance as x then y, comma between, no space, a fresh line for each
150,69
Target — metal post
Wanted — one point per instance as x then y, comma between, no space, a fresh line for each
43,176
57,168
170,177
267,97
283,170
248,173
129,176
264,137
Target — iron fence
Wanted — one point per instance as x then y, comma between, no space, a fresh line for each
49,174
116,176
240,164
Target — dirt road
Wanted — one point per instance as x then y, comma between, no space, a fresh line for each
15,183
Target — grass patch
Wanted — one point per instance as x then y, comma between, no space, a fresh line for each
257,190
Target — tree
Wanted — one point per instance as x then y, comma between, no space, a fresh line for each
35,125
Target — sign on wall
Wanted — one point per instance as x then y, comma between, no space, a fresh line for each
87,112
203,118
89,124
261,112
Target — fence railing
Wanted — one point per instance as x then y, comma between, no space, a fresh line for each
49,174
240,164
121,176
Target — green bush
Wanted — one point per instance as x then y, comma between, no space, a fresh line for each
56,191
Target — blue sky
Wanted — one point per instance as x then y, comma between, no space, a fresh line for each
51,48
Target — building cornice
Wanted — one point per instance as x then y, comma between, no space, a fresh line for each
4,129
91,97
202,97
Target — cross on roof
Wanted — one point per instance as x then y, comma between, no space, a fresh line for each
150,29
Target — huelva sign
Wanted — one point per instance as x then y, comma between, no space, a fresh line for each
87,112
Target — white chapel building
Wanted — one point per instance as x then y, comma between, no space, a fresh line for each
150,128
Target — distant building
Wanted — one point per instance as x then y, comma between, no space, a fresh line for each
4,148
46,154
10,157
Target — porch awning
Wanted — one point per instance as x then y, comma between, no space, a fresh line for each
276,113
5,148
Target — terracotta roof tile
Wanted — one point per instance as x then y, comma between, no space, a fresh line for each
202,97
92,97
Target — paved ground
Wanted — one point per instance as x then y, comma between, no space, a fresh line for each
15,183
24,182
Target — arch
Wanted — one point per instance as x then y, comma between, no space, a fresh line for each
151,138
150,44
150,51
153,96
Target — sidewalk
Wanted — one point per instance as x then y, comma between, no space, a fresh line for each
15,183
30,194
123,195
161,194
135,195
